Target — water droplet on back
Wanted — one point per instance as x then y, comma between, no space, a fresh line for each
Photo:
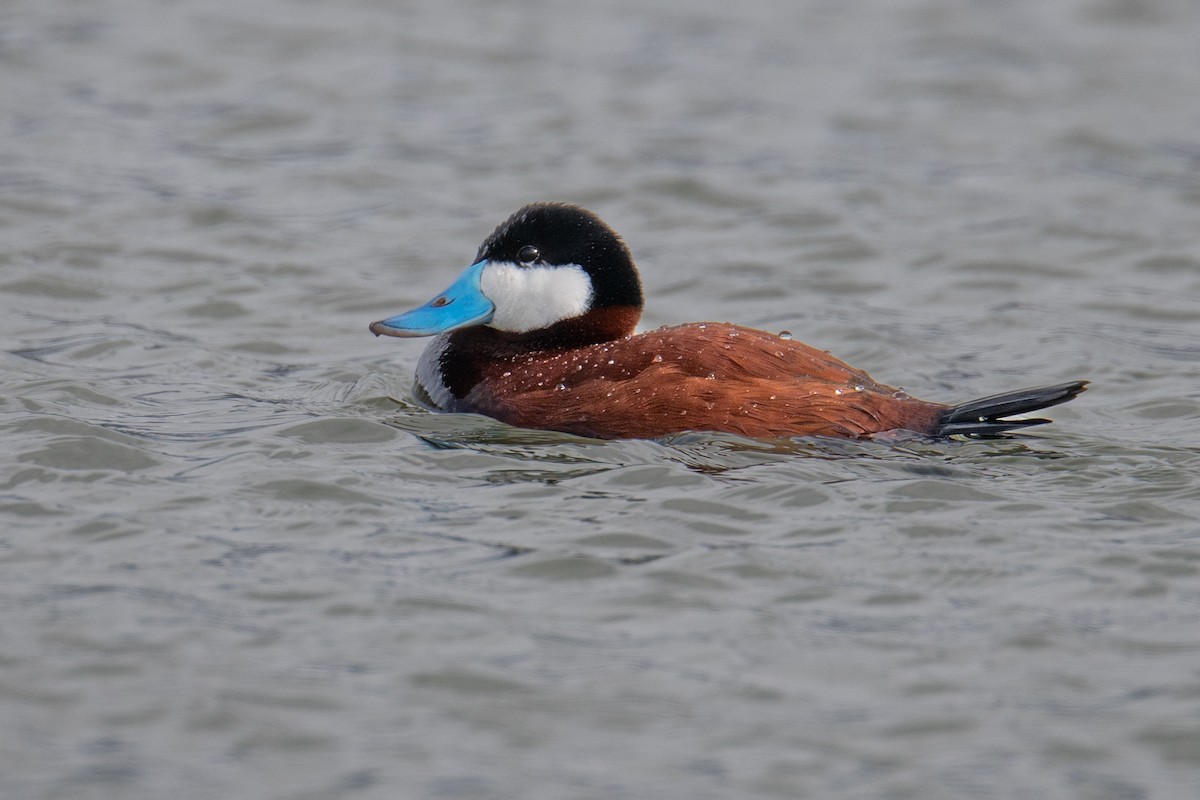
785,334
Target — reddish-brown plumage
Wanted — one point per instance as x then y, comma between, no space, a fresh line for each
700,376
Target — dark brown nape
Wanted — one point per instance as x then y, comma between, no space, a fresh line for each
472,351
604,324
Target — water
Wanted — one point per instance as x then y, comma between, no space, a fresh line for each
237,561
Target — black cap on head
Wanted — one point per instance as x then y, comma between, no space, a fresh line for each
559,234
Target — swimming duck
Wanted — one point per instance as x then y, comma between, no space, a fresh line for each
539,333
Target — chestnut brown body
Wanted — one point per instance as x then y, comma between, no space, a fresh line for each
700,376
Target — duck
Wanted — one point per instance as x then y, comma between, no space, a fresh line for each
539,332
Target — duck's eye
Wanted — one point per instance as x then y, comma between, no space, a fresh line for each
529,255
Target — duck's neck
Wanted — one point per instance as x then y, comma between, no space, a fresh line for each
598,325
470,351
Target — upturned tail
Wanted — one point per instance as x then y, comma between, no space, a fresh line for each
988,415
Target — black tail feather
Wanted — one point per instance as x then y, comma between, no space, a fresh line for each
987,415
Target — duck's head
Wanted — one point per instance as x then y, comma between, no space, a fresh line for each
551,269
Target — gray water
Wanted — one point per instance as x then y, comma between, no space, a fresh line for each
237,561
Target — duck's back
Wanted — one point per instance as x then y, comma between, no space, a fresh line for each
701,376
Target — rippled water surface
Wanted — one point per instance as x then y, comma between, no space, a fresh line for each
237,561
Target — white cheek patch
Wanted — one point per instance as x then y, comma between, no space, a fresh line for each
532,298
